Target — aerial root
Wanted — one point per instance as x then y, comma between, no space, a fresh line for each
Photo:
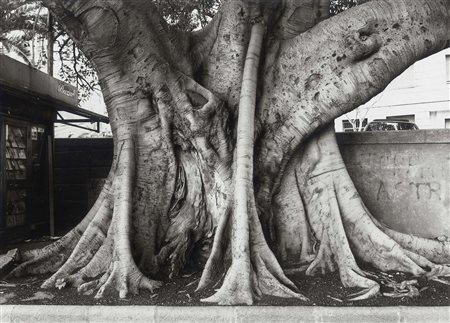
247,281
355,278
123,273
377,248
271,277
366,293
125,278
244,281
338,218
104,248
375,245
323,259
122,276
325,218
295,243
88,245
237,287
190,223
49,258
211,271
272,281
176,252
406,288
89,287
96,266
53,256
215,264
431,249
268,267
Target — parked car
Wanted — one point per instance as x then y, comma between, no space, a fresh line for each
390,125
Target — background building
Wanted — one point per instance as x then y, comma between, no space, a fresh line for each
421,95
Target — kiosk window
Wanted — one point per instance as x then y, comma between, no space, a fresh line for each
16,175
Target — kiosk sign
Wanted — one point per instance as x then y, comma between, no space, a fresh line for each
67,90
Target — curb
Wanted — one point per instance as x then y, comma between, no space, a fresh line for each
216,314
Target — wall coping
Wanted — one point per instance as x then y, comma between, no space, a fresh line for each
428,136
434,136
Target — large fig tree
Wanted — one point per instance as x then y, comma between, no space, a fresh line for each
224,153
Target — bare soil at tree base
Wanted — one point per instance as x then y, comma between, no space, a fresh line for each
321,290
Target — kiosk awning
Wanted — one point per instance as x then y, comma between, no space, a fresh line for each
20,79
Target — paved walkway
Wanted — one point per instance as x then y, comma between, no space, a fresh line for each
216,314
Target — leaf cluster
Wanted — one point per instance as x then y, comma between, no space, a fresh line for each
187,15
338,6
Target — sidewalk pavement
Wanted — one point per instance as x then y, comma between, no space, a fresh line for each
217,314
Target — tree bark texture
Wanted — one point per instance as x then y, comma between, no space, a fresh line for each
224,152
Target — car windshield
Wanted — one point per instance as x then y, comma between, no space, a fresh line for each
380,126
406,126
390,126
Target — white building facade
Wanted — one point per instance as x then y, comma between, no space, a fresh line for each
421,95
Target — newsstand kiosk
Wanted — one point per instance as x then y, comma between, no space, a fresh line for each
30,102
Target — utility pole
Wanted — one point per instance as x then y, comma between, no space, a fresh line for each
50,44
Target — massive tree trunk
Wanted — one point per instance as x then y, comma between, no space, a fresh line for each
224,153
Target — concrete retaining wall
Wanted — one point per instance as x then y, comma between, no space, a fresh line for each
403,177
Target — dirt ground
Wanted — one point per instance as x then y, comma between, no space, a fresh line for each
321,290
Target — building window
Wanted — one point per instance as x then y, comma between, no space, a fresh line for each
447,63
447,123
352,125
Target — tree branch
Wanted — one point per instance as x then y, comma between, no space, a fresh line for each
355,55
202,41
66,18
301,15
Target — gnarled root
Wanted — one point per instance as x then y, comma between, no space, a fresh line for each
387,249
294,242
254,270
51,257
87,246
123,273
96,266
189,221
104,246
334,250
238,286
339,219
247,279
271,279
433,250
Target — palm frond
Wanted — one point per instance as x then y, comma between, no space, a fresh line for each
17,49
